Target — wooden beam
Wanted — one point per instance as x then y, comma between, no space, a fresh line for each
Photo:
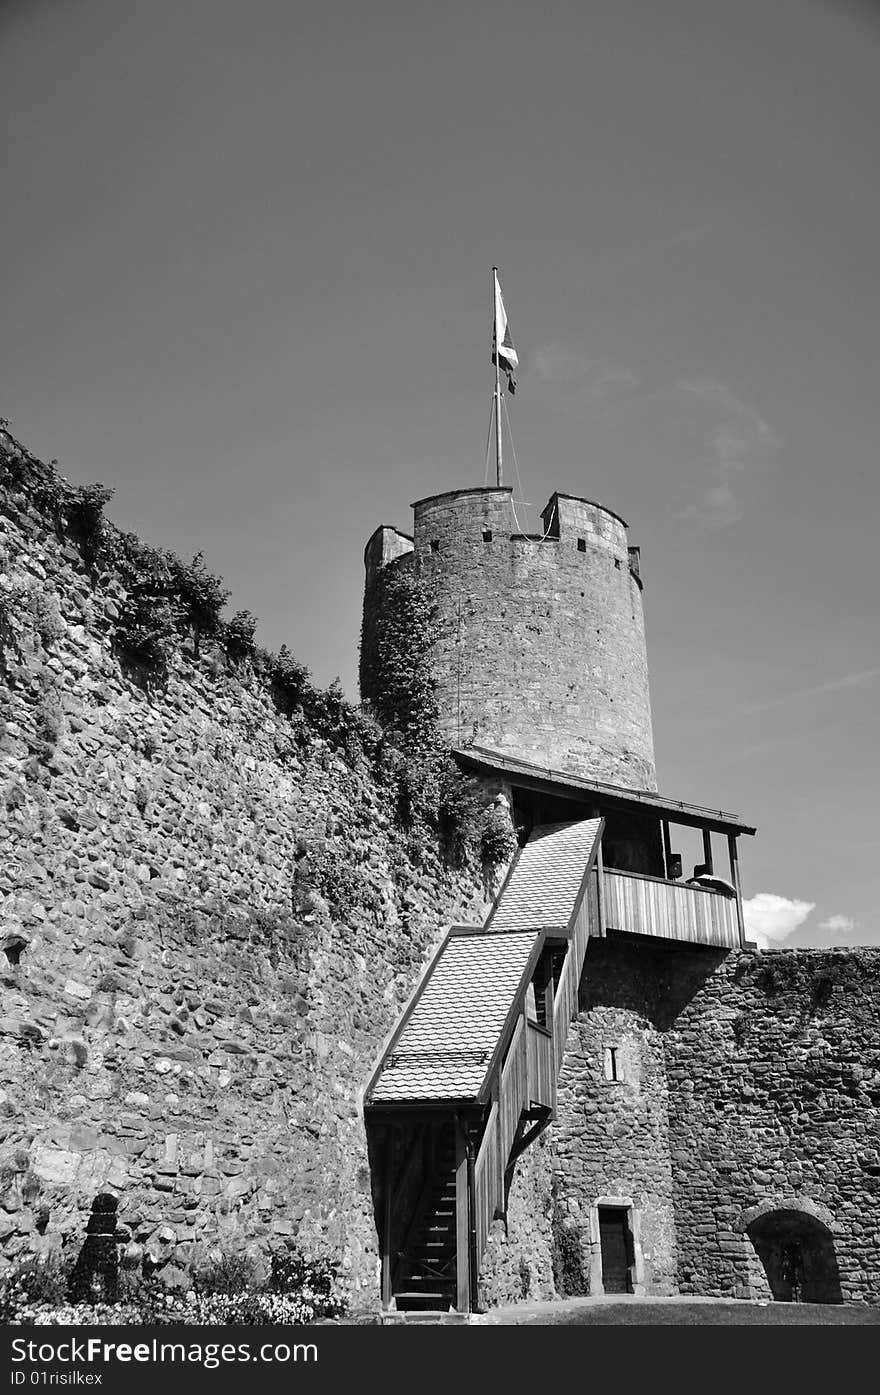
734,877
707,849
386,1219
462,1248
551,1027
600,892
473,1267
667,850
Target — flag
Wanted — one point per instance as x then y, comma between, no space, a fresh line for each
507,358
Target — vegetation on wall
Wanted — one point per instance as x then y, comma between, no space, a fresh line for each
395,669
158,605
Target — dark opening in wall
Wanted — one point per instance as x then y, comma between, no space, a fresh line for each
612,1063
582,544
617,563
435,544
617,1249
13,948
487,535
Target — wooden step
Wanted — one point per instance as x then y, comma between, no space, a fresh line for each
440,1302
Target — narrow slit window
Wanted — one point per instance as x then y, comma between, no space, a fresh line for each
612,1063
582,544
487,535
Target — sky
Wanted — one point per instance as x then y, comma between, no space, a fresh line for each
246,281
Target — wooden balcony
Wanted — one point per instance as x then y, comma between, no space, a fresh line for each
670,910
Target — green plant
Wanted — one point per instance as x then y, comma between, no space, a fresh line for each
497,837
85,519
239,635
226,1272
45,616
36,1279
149,614
567,1257
396,675
201,594
288,680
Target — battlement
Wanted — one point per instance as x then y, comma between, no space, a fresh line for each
386,545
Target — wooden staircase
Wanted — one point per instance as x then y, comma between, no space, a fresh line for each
426,1273
458,1157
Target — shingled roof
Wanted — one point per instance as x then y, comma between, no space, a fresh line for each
448,1039
545,880
456,1019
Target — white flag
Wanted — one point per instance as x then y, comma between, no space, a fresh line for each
507,357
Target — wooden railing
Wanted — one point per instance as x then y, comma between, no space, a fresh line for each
528,1076
511,1099
566,1000
670,910
513,1095
488,1179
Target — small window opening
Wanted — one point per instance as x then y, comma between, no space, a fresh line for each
617,563
612,1063
487,535
435,544
582,544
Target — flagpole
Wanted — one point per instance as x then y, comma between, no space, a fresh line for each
497,379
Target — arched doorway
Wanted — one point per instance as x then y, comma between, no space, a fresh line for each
796,1250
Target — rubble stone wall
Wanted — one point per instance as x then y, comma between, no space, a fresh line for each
773,1072
208,923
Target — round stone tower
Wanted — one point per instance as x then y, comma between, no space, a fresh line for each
539,642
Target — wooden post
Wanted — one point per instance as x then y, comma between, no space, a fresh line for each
600,892
734,877
501,1162
462,1229
667,851
386,1219
473,1269
551,1027
707,850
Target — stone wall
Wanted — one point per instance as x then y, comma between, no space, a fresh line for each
611,1138
210,921
749,1091
774,1087
540,645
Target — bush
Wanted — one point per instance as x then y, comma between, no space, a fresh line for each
34,1281
201,596
225,1291
85,519
239,635
497,838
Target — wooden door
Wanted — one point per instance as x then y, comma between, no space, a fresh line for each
614,1241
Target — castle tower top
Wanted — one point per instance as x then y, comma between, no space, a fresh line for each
539,647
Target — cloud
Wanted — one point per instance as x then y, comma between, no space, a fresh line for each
770,918
780,922
737,440
838,924
835,930
579,380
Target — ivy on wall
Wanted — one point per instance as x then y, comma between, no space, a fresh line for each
396,676
157,603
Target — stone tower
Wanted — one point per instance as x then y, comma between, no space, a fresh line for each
539,646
